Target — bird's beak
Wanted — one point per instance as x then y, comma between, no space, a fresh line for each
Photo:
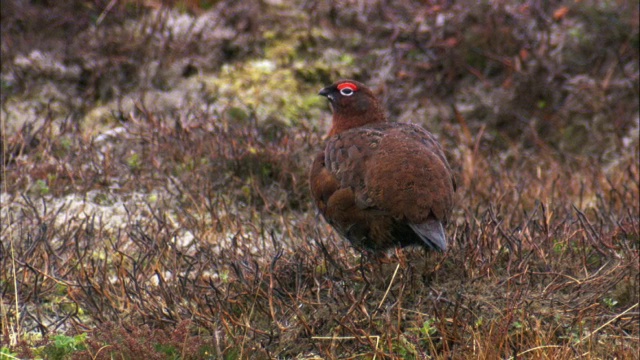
327,93
324,92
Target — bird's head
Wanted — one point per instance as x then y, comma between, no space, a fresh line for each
353,105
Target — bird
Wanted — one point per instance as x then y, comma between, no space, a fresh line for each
380,184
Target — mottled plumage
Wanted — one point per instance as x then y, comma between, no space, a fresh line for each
380,184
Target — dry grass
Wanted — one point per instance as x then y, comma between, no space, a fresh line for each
190,233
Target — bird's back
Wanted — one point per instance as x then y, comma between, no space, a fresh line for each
383,185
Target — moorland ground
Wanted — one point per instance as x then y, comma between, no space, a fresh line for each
154,180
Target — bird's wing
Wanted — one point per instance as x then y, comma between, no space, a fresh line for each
395,168
322,182
347,156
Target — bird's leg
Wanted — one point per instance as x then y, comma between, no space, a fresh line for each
427,273
363,255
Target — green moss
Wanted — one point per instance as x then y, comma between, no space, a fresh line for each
283,84
61,289
63,346
169,350
5,353
262,87
102,199
238,114
40,187
134,162
403,347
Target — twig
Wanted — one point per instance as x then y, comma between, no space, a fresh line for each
17,332
377,337
536,348
608,322
99,350
389,287
105,11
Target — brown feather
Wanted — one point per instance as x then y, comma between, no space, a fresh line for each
381,184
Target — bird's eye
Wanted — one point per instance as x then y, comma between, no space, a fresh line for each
346,91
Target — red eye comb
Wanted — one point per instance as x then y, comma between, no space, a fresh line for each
348,85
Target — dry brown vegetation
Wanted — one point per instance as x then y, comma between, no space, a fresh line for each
185,230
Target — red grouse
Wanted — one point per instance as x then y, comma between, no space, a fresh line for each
380,184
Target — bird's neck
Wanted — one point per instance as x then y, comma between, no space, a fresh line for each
346,121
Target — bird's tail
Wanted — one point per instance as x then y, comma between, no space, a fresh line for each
432,233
